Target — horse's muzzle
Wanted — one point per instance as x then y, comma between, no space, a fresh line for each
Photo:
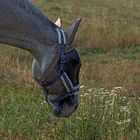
65,110
66,107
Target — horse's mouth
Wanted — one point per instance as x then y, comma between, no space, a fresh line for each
65,110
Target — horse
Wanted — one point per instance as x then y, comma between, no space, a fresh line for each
56,64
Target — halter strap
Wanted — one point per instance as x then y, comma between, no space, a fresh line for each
61,36
66,95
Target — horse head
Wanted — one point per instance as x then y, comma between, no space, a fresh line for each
60,82
56,63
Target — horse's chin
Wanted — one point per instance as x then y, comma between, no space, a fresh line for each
66,107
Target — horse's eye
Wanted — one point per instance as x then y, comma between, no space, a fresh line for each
75,62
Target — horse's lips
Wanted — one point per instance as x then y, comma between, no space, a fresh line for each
65,111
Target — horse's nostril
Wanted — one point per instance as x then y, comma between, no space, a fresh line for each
56,112
75,107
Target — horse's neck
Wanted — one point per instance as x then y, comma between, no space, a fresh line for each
26,29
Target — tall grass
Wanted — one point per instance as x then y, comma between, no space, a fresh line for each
106,23
102,114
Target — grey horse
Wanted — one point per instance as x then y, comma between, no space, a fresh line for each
56,63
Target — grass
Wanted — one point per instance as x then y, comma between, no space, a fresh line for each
106,23
110,77
108,115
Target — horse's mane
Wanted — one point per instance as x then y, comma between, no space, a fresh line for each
27,6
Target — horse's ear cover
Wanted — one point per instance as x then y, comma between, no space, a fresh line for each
71,32
58,22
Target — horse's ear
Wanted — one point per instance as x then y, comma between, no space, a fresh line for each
71,32
58,22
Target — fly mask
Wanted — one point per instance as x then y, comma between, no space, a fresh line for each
60,81
61,75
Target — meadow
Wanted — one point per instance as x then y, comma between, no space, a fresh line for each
108,42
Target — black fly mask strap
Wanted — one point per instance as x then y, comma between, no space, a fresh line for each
61,74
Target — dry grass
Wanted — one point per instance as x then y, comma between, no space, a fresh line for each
106,23
111,74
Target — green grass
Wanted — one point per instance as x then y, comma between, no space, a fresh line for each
102,114
110,53
108,115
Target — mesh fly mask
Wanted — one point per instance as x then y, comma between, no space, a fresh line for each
61,74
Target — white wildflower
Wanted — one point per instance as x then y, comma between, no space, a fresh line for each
89,90
78,118
107,102
119,123
127,121
111,94
117,88
86,94
82,86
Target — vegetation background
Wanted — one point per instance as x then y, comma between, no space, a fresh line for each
108,42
